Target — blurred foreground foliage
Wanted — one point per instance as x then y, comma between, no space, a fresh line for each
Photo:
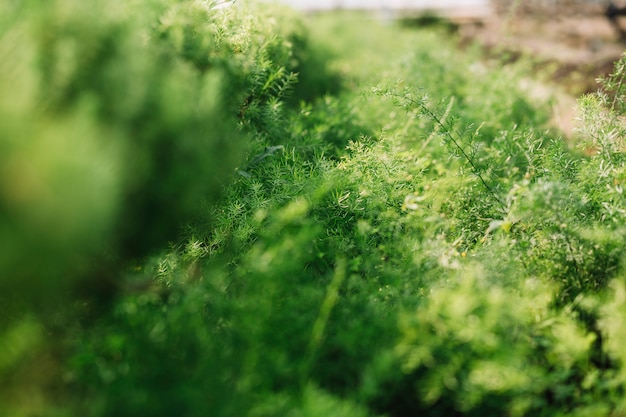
240,212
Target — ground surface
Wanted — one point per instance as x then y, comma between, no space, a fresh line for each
571,48
581,43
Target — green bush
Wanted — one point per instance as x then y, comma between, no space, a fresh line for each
475,348
120,124
408,238
106,146
120,119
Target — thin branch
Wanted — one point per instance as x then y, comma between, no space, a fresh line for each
441,125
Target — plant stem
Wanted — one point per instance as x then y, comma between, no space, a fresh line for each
319,327
456,143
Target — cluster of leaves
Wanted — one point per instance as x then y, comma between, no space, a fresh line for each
112,112
418,242
119,122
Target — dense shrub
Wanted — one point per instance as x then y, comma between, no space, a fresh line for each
119,122
120,119
418,242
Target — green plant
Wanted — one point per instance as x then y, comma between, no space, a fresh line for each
424,246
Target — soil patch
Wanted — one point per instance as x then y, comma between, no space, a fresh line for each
570,48
575,44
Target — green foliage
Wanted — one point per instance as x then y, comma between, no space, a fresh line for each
475,348
402,235
126,120
119,122
103,152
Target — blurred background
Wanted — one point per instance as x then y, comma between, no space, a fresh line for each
576,40
568,44
478,7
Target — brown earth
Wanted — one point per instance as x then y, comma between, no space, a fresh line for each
570,47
